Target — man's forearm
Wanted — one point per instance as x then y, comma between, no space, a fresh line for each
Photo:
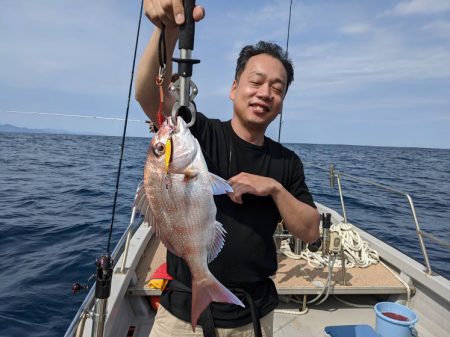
146,91
300,219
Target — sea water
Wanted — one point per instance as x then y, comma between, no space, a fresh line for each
56,198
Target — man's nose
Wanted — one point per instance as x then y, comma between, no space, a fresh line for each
264,92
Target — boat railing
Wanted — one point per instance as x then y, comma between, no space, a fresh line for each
77,324
336,176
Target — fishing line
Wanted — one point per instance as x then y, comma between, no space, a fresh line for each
287,52
71,115
124,130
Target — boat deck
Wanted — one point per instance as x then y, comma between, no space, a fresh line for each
294,277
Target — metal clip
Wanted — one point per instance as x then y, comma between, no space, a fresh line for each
184,91
161,72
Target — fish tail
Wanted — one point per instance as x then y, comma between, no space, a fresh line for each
206,291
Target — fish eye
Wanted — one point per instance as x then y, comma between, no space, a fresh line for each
158,149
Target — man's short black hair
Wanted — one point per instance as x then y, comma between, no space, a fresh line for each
263,47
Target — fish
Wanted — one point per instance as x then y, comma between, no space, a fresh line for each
176,198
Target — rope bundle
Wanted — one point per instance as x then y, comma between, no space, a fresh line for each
357,252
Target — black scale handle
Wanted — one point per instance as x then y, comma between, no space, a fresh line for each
187,29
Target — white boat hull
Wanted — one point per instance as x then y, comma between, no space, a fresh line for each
430,297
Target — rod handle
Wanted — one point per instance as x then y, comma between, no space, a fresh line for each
187,29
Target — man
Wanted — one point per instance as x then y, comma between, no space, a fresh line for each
267,180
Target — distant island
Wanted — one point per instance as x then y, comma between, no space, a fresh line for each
16,129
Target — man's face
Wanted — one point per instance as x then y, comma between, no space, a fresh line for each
258,93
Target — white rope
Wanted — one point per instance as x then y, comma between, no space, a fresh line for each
288,299
408,289
353,304
327,285
355,249
357,252
291,312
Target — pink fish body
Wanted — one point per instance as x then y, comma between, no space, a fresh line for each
179,205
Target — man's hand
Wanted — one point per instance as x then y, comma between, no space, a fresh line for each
169,12
300,219
246,183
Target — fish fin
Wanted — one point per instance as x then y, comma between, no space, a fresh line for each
141,204
143,207
219,185
140,200
152,230
206,291
150,220
217,241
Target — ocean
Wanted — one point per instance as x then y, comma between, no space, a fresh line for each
56,197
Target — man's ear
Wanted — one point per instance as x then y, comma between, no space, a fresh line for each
233,90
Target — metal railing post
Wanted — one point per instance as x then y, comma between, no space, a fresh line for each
127,243
413,211
125,254
341,196
334,174
419,234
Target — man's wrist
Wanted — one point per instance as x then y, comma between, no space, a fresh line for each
276,189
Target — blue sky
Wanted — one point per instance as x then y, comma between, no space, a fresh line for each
366,72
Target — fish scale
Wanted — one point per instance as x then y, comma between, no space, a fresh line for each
177,200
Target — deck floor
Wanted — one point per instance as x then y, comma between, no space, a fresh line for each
289,323
293,276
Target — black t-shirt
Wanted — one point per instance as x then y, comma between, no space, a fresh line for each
248,257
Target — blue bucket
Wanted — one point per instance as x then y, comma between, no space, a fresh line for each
391,327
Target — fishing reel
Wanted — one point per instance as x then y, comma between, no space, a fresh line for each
103,277
77,287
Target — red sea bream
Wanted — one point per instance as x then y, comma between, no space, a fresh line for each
179,205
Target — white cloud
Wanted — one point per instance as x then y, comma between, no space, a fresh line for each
389,54
72,48
438,28
344,70
418,7
357,28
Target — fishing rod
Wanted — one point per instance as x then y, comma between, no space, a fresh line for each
185,90
104,263
287,52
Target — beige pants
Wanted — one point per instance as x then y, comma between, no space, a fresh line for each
167,325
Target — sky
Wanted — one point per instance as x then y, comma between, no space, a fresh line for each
373,72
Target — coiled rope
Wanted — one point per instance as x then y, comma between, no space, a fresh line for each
357,254
357,251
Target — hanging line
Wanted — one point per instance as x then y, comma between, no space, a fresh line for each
124,130
162,47
160,116
287,52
